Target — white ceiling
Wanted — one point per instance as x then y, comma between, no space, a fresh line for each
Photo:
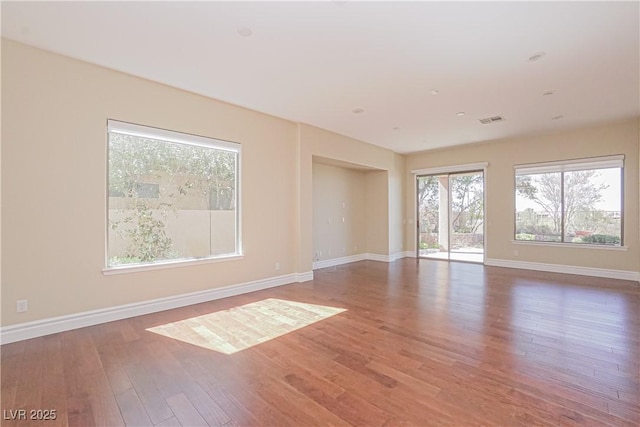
315,62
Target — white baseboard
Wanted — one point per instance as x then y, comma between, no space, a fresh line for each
380,258
360,257
567,269
38,328
391,257
338,261
303,277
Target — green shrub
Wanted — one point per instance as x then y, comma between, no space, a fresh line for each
525,236
117,260
601,239
425,245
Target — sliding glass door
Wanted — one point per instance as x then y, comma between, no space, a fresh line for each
451,216
433,216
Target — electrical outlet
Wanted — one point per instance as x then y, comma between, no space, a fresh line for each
515,252
22,306
277,266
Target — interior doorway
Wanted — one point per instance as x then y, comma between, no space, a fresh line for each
451,216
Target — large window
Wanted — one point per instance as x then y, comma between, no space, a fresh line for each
171,196
577,201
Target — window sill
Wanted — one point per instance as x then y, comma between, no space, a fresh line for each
570,245
123,269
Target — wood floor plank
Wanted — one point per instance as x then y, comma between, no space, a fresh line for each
238,414
79,412
10,377
299,370
111,357
150,397
53,383
210,411
303,409
248,399
421,343
185,412
28,393
171,422
132,410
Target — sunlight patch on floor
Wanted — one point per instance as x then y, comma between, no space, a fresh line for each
238,328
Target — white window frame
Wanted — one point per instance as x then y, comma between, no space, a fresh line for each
452,169
561,166
115,126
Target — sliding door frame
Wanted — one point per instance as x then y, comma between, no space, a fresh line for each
452,170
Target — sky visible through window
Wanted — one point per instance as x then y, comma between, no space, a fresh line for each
610,196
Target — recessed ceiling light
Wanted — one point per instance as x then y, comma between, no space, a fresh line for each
460,114
357,111
245,31
547,93
536,56
434,92
557,117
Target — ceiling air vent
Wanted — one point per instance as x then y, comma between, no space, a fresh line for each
493,119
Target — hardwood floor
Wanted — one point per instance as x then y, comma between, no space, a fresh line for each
420,343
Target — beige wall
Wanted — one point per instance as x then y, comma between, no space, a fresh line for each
396,205
339,214
614,138
377,212
54,114
371,203
315,142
